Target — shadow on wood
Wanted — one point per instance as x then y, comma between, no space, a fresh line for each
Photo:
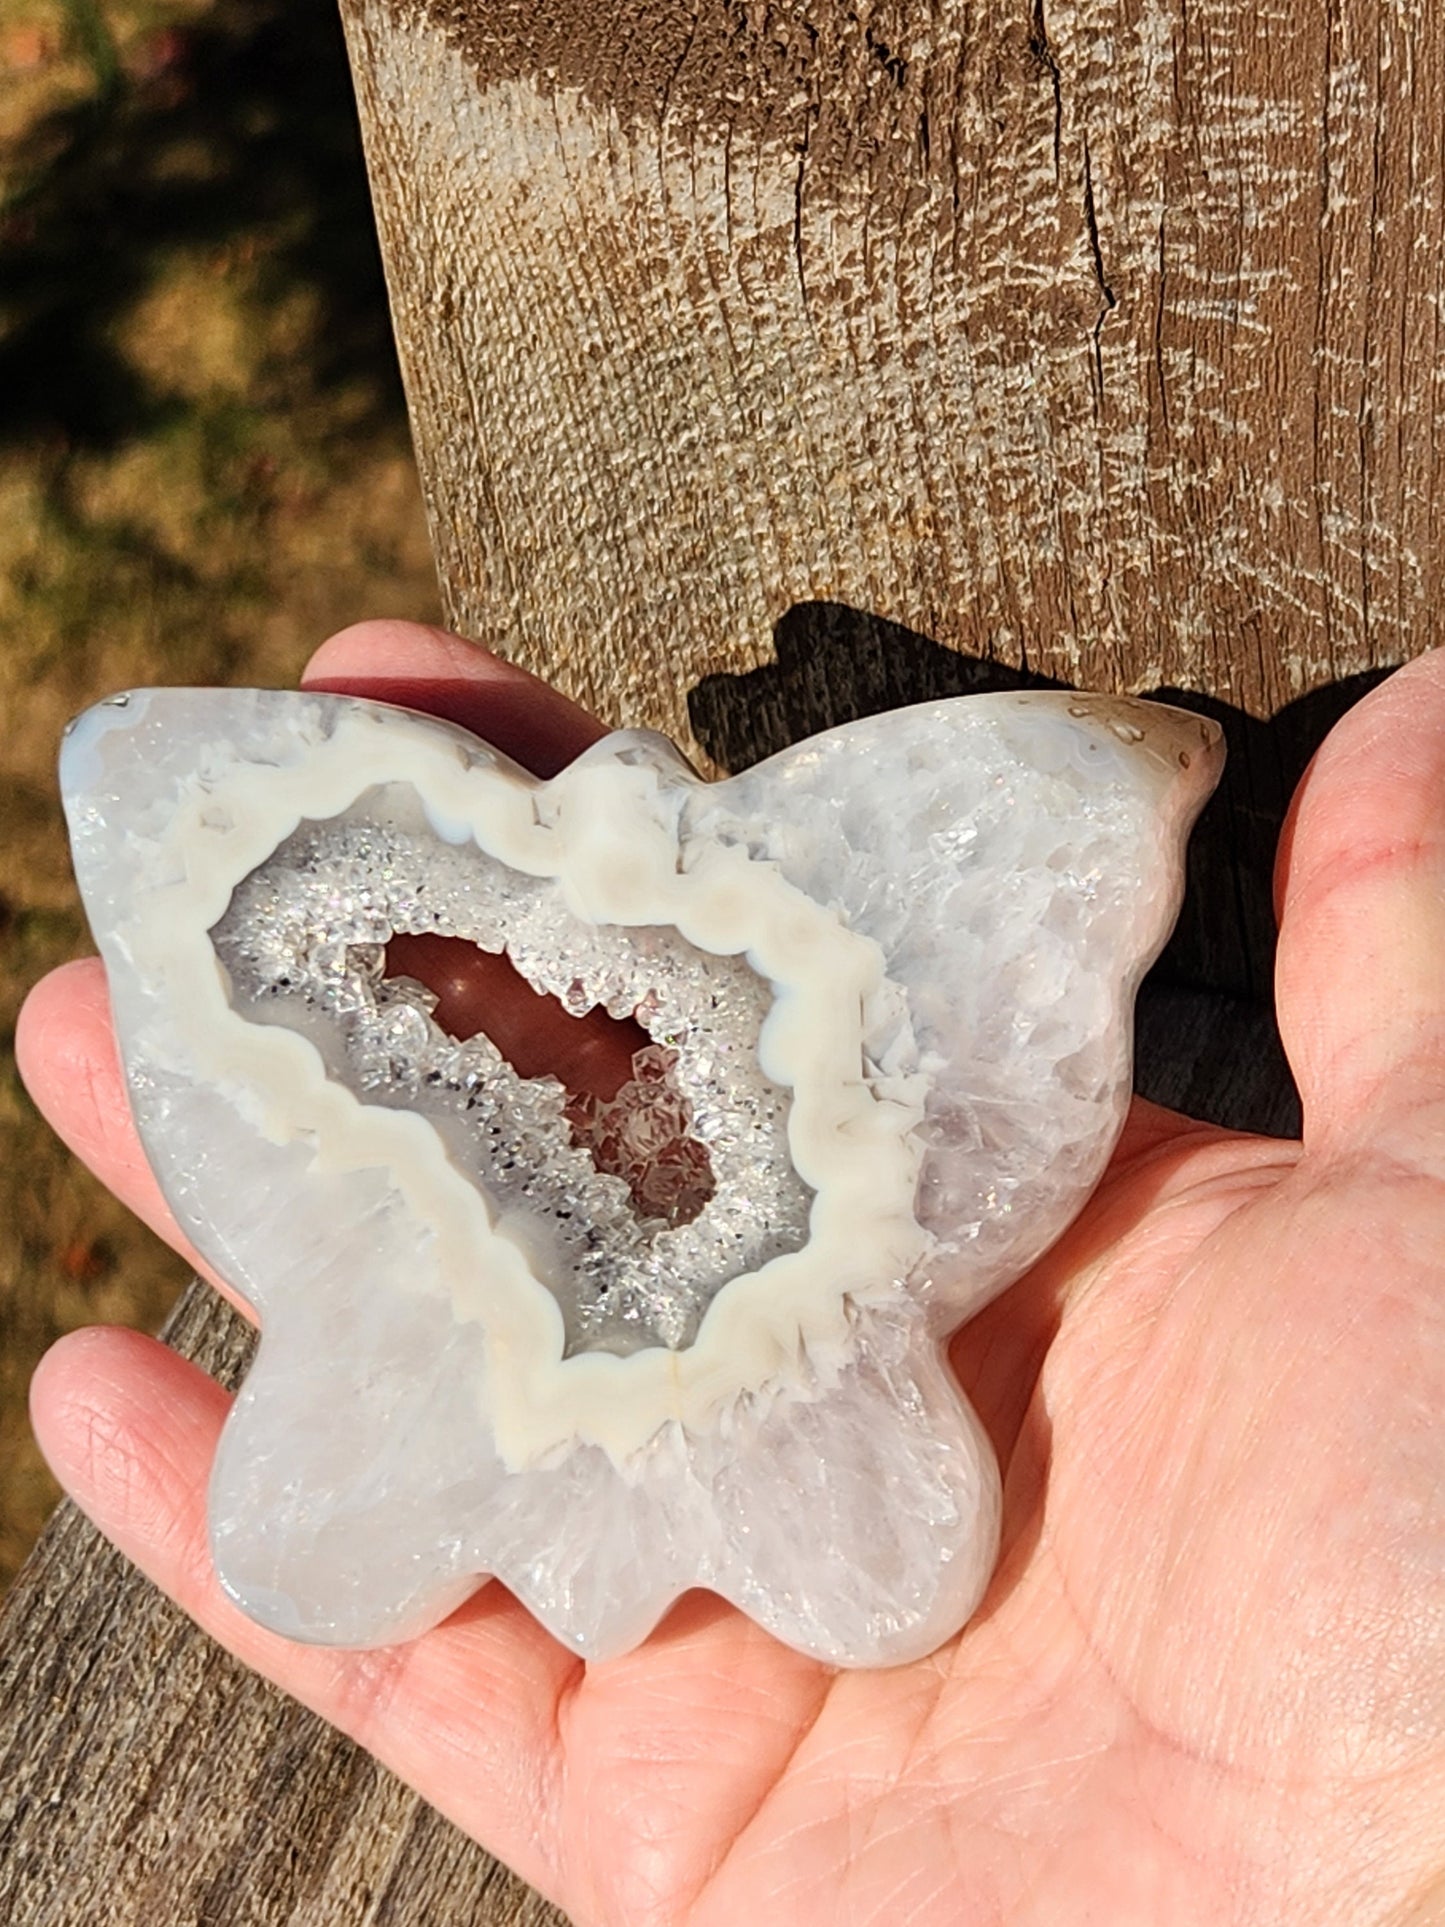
835,664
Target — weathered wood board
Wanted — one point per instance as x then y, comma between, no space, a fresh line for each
1102,338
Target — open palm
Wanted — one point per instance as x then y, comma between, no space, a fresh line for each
1208,1684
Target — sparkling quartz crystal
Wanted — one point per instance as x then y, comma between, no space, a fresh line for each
691,1335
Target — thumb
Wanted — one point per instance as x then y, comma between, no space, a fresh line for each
1361,892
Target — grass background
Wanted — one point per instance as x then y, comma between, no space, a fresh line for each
204,469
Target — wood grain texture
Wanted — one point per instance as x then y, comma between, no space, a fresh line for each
770,364
1098,338
1097,343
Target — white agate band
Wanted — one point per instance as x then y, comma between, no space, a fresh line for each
614,840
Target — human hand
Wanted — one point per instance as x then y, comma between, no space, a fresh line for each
1208,1682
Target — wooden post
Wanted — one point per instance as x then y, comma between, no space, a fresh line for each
770,363
1101,339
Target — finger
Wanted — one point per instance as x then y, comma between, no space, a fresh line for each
419,667
1361,893
66,1052
1148,1126
468,1715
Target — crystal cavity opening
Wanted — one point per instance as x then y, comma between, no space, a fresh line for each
623,1105
305,943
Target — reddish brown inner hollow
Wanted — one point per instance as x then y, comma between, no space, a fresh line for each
479,992
644,1137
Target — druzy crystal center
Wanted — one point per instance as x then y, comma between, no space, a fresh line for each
303,944
623,1104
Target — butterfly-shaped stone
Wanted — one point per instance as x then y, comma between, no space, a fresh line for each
888,979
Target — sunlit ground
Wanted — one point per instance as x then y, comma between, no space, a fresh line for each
204,468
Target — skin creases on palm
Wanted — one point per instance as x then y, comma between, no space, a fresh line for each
1208,1683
